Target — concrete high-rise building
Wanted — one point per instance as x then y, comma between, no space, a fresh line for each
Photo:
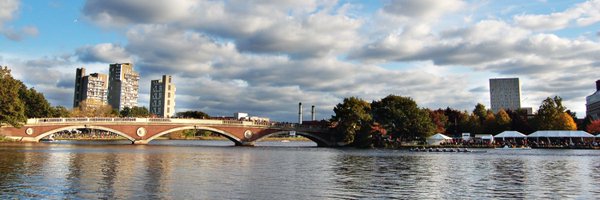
123,86
91,89
162,97
592,103
505,93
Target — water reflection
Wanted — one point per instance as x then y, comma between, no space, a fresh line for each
64,171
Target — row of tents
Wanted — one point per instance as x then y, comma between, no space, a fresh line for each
439,138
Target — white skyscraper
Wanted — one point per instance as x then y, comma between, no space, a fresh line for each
162,97
505,93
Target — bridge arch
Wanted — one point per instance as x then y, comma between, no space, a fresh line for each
47,133
228,135
315,138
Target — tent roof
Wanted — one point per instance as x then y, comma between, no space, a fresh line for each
439,136
560,134
510,134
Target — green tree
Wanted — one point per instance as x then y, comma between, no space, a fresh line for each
12,109
550,115
134,112
480,112
402,118
60,111
520,121
471,124
192,114
456,122
352,117
36,105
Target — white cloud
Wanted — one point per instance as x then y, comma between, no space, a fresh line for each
263,57
105,52
8,8
583,14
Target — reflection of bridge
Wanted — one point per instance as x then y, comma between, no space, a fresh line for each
144,130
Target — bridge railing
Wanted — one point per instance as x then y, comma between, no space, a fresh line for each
290,126
146,120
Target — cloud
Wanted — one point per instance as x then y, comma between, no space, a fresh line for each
8,8
582,14
105,52
263,57
422,9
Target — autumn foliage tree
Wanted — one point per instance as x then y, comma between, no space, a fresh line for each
593,127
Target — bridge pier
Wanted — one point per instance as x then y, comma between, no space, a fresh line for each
245,144
142,142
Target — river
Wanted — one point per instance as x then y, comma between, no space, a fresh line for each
295,170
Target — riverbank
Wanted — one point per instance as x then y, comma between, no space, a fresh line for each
4,139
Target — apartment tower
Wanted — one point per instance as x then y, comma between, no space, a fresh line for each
162,97
123,86
91,89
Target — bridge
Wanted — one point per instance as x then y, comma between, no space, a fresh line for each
144,130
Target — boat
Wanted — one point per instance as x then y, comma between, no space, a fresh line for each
285,141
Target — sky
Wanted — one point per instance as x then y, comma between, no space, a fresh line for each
263,57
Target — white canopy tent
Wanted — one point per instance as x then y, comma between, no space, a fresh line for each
561,134
437,139
510,134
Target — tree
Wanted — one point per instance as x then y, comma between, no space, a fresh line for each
480,112
140,111
490,124
566,122
456,122
402,118
470,124
352,117
12,109
520,121
134,112
503,121
36,105
60,111
548,116
93,110
192,114
593,127
439,119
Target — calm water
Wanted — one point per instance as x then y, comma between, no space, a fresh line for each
295,170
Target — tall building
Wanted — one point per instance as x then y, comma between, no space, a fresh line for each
505,93
123,86
92,89
592,103
162,97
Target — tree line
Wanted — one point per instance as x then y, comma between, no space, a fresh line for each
359,123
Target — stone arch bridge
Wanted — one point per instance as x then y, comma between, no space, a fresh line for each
144,130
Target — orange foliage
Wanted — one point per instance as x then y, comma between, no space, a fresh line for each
594,127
